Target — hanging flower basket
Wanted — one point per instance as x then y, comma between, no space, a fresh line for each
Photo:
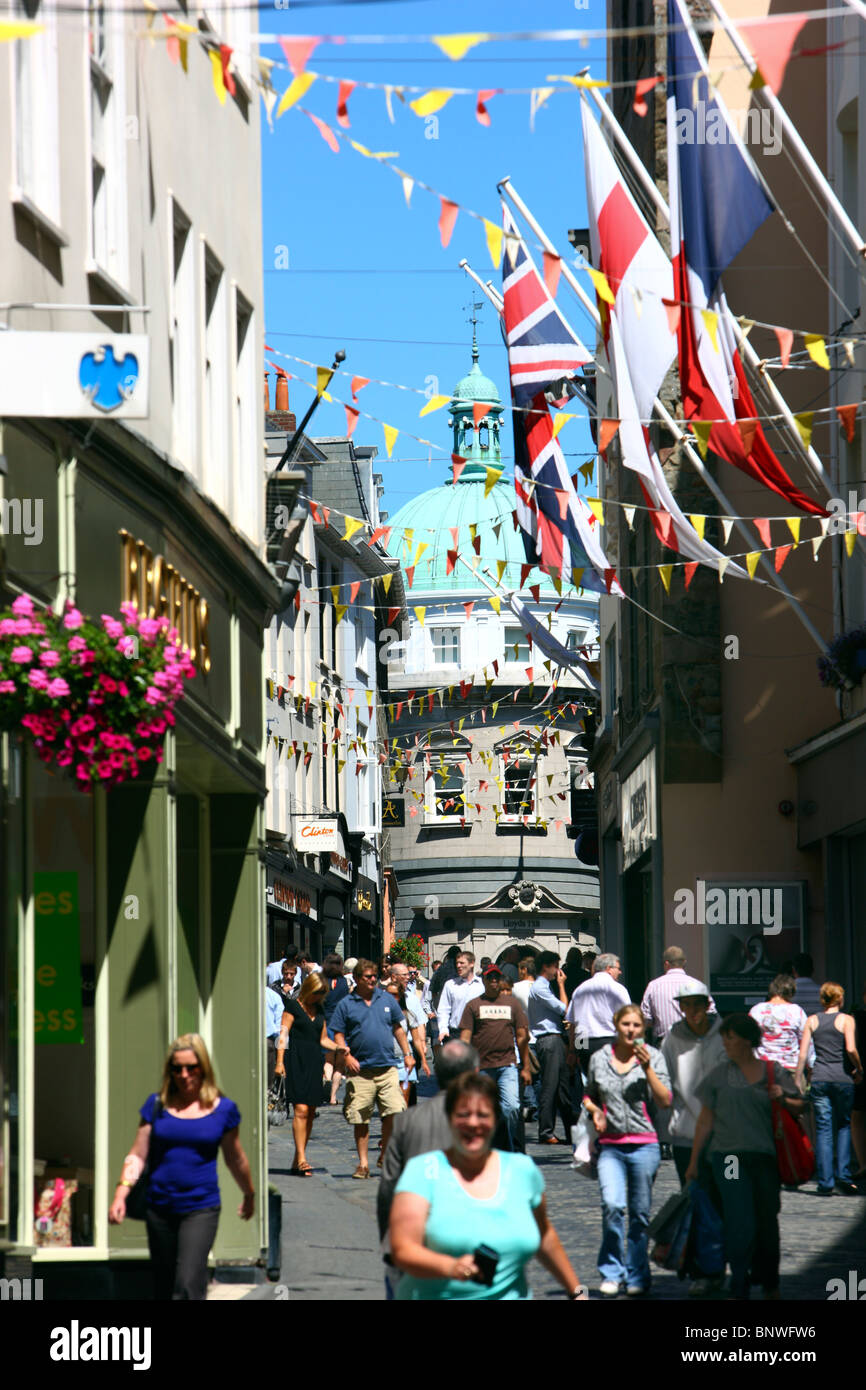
844,666
409,950
95,698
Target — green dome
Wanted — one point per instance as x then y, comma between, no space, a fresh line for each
475,386
431,518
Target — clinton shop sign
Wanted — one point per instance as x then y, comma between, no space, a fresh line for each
319,837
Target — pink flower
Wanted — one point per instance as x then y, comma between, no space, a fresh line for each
111,625
72,619
38,679
7,627
58,689
21,655
84,724
144,754
104,769
163,680
123,689
86,746
76,644
23,606
157,727
64,758
118,760
129,611
126,646
149,629
25,628
7,687
108,684
153,696
50,658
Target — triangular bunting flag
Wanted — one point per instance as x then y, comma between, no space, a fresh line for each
752,562
434,403
747,430
353,524
817,350
848,419
390,433
666,571
786,342
447,218
762,526
804,422
701,430
689,571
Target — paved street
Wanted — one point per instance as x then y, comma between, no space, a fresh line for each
330,1236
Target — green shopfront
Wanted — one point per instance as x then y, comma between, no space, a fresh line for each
134,914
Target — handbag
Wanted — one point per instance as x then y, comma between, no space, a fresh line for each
136,1201
794,1153
278,1110
671,1229
585,1140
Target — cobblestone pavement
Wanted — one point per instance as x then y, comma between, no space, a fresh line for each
330,1239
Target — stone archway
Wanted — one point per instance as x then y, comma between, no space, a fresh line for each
526,948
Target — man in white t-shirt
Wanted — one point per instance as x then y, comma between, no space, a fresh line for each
589,1017
527,971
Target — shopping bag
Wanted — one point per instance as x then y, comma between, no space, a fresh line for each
278,1111
585,1140
794,1153
672,1236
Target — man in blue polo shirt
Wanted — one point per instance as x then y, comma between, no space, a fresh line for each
365,1025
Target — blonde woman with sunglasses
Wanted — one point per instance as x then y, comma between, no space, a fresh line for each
183,1126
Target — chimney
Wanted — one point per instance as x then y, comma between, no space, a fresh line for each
267,396
281,418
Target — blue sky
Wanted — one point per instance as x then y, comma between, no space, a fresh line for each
369,275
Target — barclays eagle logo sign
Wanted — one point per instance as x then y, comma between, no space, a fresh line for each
107,383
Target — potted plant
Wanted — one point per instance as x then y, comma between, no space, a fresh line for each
94,697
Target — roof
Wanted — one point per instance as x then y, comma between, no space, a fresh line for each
475,386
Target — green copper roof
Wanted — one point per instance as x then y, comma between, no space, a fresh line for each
475,386
431,518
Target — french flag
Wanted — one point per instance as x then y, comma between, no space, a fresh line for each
717,204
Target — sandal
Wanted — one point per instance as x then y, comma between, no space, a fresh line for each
303,1170
582,1294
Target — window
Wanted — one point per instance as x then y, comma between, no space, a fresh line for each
444,789
109,250
576,639
244,481
37,144
515,637
446,646
520,769
215,450
610,676
182,340
483,436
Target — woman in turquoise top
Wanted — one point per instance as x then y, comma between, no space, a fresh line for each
448,1204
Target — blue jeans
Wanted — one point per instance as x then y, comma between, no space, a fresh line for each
507,1083
749,1189
625,1174
832,1101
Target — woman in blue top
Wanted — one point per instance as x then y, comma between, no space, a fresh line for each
448,1204
182,1128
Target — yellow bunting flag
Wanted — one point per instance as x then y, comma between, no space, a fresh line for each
560,419
500,570
557,583
419,551
493,235
353,524
431,101
313,685
752,562
804,422
390,438
602,288
219,85
583,82
699,522
374,154
296,89
701,430
386,581
666,571
340,610
711,322
850,542
494,602
335,594
419,614
18,29
490,477
456,46
586,470
434,403
597,508
817,350
793,524
323,377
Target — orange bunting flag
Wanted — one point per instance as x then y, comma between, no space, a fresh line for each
447,218
451,561
467,608
353,590
782,553
848,420
771,44
689,571
786,342
552,272
345,91
535,590
482,115
298,52
326,132
672,309
762,526
562,499
351,420
358,384
175,46
228,79
607,430
748,429
479,410
642,89
381,533
457,466
410,575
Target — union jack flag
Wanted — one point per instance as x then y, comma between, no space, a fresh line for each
543,353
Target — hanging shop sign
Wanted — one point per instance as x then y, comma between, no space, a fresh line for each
364,899
638,810
75,375
57,1015
393,811
340,865
291,898
158,590
319,837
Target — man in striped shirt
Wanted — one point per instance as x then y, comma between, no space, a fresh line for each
659,1004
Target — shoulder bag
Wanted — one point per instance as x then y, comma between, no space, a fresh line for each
794,1152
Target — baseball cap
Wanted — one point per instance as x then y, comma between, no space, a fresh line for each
692,989
492,970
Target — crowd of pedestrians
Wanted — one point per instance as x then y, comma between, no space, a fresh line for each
461,1207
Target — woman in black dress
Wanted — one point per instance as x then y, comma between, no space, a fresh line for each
304,1019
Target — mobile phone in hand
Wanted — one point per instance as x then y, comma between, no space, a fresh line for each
486,1258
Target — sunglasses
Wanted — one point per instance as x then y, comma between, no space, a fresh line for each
177,1068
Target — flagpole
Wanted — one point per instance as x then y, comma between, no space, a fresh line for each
777,582
821,185
808,454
